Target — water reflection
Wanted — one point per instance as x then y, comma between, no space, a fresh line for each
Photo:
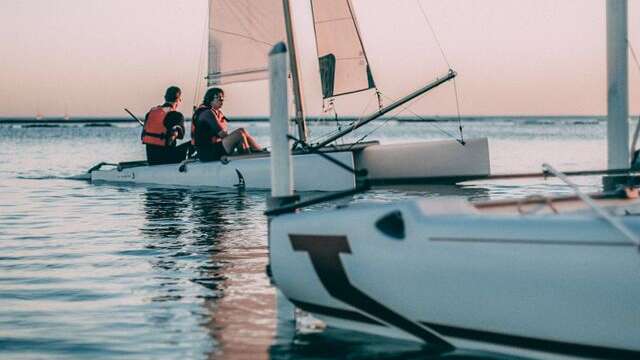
222,237
243,319
343,344
392,193
164,211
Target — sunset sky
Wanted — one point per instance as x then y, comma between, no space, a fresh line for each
514,57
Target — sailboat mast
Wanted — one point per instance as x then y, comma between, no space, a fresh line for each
295,74
617,86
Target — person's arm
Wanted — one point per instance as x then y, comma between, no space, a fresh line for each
222,125
177,132
208,119
174,123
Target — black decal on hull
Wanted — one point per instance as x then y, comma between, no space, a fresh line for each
500,339
333,312
324,252
548,346
240,184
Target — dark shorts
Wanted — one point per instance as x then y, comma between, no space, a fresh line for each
157,155
211,152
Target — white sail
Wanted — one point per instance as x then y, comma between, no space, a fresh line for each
241,33
344,67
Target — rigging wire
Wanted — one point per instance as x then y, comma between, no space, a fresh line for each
444,57
433,32
633,55
380,95
331,133
199,77
455,89
394,117
408,108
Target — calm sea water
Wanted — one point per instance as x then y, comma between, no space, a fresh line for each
136,272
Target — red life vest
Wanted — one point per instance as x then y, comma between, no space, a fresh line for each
154,131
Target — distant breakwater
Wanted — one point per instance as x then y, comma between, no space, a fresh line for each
348,119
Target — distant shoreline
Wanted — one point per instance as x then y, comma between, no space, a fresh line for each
408,119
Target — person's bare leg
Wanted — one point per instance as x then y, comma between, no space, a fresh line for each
232,141
253,144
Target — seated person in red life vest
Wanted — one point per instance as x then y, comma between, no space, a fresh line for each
163,126
210,132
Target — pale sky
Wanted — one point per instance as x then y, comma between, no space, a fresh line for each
514,57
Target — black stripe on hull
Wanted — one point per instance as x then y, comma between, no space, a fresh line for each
532,242
335,313
548,346
493,338
324,252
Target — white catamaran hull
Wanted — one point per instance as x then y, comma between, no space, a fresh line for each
384,163
312,172
562,284
425,160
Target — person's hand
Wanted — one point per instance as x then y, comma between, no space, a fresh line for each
172,139
222,133
177,132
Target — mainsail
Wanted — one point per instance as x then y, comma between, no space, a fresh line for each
241,33
344,67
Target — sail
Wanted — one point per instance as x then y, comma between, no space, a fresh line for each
343,63
241,33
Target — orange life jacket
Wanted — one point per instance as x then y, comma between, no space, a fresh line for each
154,131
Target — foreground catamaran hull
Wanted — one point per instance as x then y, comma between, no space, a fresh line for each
445,159
560,284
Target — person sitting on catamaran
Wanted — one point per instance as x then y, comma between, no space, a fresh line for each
210,134
163,126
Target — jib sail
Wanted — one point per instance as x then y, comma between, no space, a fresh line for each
343,62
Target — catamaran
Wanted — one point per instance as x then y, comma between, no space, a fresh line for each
552,277
241,32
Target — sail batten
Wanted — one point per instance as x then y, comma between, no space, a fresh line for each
241,33
344,68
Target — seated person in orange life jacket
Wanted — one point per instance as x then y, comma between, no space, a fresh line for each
163,126
210,134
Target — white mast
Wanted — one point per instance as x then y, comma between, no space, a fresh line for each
295,74
617,85
281,171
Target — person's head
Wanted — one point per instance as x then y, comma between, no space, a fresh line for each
173,95
214,97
